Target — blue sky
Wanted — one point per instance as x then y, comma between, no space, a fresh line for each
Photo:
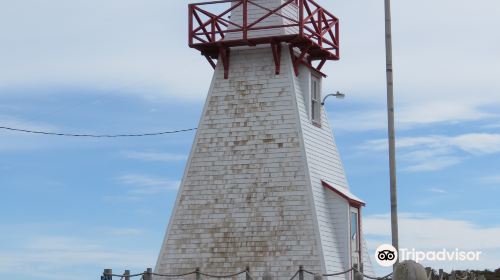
73,205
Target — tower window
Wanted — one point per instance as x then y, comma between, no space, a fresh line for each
355,238
315,100
354,230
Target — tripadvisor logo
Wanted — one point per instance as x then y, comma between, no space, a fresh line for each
386,255
441,255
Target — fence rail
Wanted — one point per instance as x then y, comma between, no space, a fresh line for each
148,274
300,273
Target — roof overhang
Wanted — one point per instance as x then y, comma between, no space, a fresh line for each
344,193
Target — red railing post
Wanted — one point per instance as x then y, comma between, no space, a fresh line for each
337,38
320,27
245,19
212,31
301,18
190,22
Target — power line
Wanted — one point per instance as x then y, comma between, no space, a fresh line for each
96,135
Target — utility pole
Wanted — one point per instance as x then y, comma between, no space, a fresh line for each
390,118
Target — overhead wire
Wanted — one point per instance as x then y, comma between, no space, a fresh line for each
95,135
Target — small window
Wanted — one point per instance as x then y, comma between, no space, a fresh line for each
354,231
315,100
355,237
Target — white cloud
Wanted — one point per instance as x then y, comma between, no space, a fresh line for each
438,81
408,116
360,121
9,121
147,185
139,47
437,190
427,232
14,141
434,164
154,156
126,46
29,251
494,179
478,143
436,152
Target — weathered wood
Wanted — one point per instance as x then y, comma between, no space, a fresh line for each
428,271
107,274
453,275
247,273
148,274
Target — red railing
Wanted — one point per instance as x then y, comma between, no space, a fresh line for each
305,21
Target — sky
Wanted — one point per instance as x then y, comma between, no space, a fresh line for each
77,205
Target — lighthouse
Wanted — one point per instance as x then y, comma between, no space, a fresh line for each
264,186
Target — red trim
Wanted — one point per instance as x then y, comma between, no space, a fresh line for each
224,56
276,47
359,239
316,124
349,226
352,202
296,61
317,35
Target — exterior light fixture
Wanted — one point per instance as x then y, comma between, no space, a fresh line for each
338,94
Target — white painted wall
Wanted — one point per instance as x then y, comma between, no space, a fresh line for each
255,12
251,193
324,163
245,196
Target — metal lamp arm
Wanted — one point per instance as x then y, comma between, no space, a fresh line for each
338,94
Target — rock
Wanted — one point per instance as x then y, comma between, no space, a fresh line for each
409,270
318,276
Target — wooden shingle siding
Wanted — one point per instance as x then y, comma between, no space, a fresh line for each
251,194
244,199
254,13
324,163
330,229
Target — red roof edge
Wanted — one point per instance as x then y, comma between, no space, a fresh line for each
352,202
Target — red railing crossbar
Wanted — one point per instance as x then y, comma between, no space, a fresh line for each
271,12
313,23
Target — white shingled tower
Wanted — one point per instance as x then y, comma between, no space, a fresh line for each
264,185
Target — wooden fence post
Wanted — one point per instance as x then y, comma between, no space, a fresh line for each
453,275
301,272
108,274
357,273
148,274
198,275
247,273
428,271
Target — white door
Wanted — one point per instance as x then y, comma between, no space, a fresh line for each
355,237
